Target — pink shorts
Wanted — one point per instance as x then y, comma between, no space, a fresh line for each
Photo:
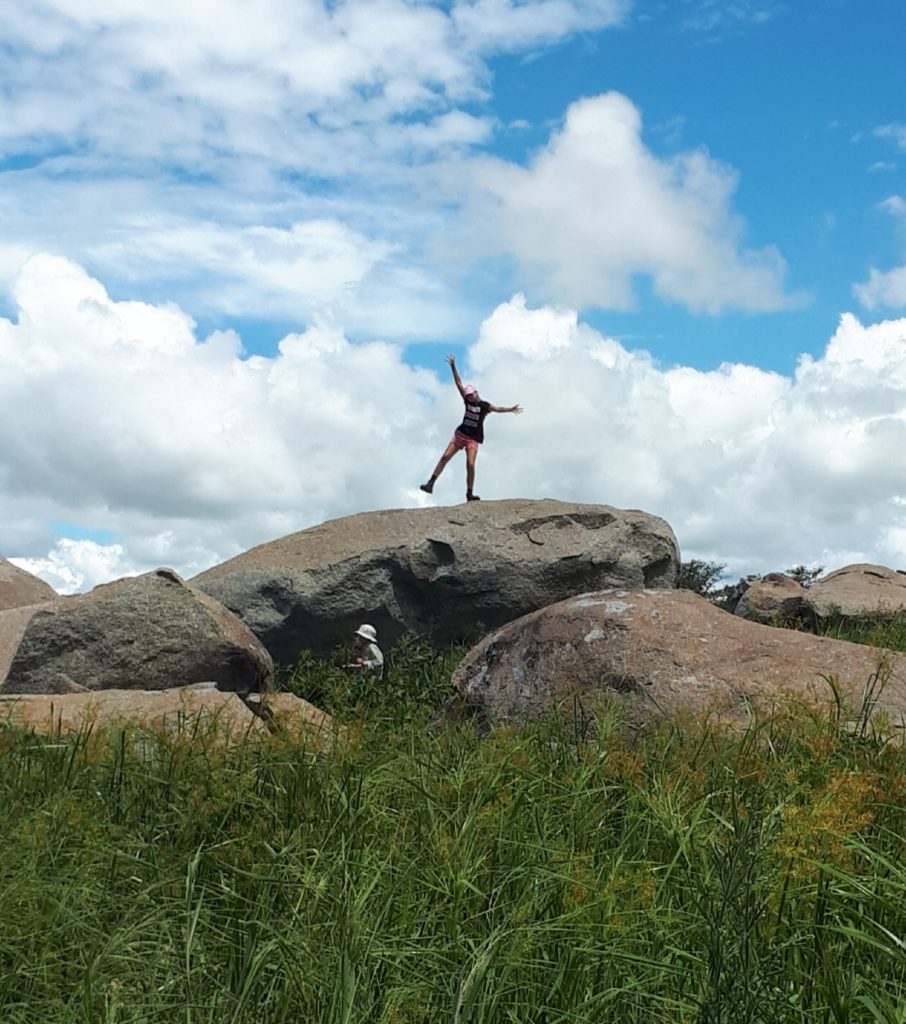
461,441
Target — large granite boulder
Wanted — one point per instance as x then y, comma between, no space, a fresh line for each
773,599
665,652
444,573
858,591
149,632
19,588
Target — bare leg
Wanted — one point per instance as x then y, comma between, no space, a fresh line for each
444,459
448,454
471,456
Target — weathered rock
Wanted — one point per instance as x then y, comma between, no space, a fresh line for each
19,588
772,599
856,591
12,628
443,573
202,706
149,632
663,652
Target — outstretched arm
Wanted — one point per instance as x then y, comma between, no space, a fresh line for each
452,361
508,408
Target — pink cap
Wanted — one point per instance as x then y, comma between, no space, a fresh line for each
470,389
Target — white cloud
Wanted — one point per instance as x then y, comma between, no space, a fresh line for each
305,268
883,289
76,565
718,15
751,468
595,208
503,24
896,207
125,422
198,148
886,289
895,132
292,258
217,80
165,449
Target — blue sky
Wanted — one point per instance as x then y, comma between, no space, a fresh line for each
790,96
676,233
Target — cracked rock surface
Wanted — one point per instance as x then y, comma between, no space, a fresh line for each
443,573
666,652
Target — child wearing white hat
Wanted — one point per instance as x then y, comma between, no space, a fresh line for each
370,657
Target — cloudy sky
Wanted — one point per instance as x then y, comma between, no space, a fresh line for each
239,237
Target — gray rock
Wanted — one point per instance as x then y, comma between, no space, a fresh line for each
857,591
772,599
12,628
663,652
150,632
19,588
444,573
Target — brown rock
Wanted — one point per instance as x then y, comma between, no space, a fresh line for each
201,706
662,653
19,588
772,599
72,712
149,632
442,573
856,591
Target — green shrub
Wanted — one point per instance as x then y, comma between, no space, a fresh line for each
415,681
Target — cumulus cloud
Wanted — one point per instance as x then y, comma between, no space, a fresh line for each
751,468
126,422
72,564
595,209
162,448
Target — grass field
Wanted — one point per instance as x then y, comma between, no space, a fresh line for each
419,874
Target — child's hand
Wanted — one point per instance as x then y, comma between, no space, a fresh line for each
451,359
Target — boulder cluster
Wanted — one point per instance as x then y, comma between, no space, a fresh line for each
563,601
854,591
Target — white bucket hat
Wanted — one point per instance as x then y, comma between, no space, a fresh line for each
367,633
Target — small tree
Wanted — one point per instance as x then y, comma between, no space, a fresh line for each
700,576
804,576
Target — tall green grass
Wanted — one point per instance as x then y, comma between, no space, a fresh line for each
420,874
878,630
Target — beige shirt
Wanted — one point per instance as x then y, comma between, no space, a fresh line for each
372,658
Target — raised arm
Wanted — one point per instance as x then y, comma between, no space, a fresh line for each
452,361
507,408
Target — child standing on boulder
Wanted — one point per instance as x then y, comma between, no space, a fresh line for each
469,434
